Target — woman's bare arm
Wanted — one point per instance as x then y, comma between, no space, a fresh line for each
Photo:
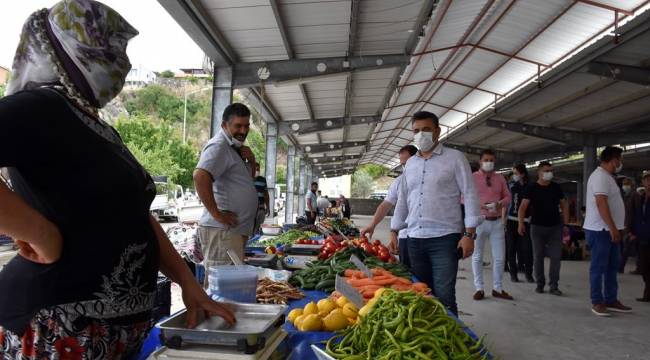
39,239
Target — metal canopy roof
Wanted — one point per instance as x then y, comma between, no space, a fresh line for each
477,55
365,44
338,72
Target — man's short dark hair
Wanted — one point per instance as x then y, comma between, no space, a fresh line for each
425,115
542,164
314,183
610,153
412,150
487,152
235,109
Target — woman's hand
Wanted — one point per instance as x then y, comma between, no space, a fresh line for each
197,301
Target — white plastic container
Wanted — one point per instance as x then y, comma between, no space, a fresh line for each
233,282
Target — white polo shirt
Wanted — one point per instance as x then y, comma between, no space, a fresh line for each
602,182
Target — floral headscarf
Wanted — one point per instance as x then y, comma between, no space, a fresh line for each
77,44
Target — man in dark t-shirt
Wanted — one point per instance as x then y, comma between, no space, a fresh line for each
545,198
263,208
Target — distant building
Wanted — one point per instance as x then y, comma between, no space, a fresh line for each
139,77
197,73
4,75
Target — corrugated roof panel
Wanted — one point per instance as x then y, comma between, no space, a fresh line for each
523,20
577,25
427,66
509,76
319,34
477,66
434,109
288,101
458,18
452,119
628,5
449,94
262,54
231,18
332,135
307,138
316,13
224,4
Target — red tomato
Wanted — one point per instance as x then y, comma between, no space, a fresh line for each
366,248
376,242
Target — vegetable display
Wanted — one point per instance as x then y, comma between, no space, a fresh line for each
344,226
321,274
405,325
367,287
290,237
276,292
326,315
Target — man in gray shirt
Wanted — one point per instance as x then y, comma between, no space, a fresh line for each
224,182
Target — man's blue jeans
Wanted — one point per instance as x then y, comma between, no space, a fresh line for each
605,257
434,261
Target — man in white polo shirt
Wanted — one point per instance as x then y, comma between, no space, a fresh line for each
604,221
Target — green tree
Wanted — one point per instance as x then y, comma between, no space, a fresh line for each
2,91
362,184
158,148
168,74
375,171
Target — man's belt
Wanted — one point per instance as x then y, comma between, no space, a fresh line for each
492,218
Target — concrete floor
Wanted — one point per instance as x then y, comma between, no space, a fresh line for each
543,326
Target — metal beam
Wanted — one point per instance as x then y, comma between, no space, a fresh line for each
221,96
192,18
334,159
302,127
270,168
501,156
571,137
297,71
283,30
302,188
632,74
320,148
288,206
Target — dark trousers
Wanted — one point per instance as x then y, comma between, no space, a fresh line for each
547,240
519,249
644,267
311,217
629,248
434,261
603,270
404,252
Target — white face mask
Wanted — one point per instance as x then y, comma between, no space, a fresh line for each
234,141
424,140
547,176
516,177
487,166
626,189
619,168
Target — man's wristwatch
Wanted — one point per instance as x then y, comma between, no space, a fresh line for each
469,235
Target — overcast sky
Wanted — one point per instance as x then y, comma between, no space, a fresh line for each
161,45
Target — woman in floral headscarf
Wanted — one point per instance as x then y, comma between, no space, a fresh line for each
81,287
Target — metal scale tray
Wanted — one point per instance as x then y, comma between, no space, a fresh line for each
255,325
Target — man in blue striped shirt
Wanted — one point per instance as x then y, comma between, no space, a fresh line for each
263,208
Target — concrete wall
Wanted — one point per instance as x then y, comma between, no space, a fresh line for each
365,206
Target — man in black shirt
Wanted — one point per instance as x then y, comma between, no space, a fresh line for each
545,197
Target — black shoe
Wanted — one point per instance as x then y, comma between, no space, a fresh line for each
514,278
530,279
555,292
539,290
643,300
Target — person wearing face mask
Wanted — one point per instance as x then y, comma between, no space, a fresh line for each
428,206
264,208
494,196
637,221
545,198
604,222
398,243
519,249
223,179
629,246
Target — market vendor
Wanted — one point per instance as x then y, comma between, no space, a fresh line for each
80,284
311,204
225,185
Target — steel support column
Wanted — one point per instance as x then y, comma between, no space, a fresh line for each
271,154
288,204
302,186
221,96
588,166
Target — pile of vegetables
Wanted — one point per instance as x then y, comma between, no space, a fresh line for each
376,248
343,226
326,315
405,325
321,274
287,238
276,292
381,278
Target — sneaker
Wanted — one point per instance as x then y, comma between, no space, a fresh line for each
618,307
555,292
479,295
502,295
539,290
600,310
643,299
